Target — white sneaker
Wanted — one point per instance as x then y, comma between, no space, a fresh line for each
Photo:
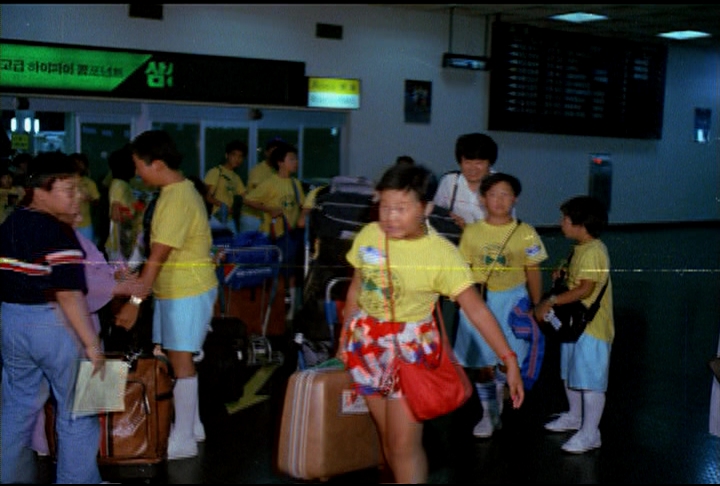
580,443
178,449
484,428
563,423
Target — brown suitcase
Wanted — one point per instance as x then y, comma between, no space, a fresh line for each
323,431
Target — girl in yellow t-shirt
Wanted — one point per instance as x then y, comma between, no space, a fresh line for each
401,267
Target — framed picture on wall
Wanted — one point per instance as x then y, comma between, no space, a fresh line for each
418,101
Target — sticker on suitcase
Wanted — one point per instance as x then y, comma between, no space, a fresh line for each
352,403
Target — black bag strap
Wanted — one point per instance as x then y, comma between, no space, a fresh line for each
507,238
595,306
454,192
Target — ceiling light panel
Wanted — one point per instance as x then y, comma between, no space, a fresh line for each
579,17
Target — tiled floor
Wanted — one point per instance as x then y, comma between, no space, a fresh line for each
655,425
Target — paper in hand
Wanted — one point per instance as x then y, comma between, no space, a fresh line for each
101,392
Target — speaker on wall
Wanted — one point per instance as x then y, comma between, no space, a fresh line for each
146,11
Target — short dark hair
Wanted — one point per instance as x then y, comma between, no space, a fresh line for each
157,145
476,146
121,163
273,143
406,177
496,177
47,167
81,158
404,159
587,211
236,145
278,155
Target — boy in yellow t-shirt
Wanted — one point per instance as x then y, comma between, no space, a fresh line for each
224,184
181,273
584,364
251,218
280,198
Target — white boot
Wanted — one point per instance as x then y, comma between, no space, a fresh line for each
181,444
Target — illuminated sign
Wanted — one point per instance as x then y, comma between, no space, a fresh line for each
338,93
37,68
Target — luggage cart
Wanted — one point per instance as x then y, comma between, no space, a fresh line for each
242,263
320,351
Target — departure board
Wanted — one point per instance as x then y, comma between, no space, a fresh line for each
547,81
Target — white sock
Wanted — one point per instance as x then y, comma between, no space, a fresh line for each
593,406
488,398
500,382
575,401
198,428
185,392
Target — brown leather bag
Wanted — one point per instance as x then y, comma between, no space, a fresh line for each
139,434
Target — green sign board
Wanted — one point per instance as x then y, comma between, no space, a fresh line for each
66,68
30,67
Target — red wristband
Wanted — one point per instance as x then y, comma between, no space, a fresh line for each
504,357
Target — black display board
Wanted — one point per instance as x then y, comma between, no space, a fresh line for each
547,81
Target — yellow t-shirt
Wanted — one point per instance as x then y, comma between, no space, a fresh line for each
90,193
257,174
121,192
180,221
226,184
481,243
590,261
421,269
278,191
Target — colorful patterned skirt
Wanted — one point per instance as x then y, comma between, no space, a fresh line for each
373,347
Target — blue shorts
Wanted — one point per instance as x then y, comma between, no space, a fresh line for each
585,364
182,324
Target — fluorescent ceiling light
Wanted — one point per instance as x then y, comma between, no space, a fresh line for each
579,17
684,34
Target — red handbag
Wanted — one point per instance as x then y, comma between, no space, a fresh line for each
432,389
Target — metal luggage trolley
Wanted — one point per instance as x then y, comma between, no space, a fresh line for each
248,260
323,350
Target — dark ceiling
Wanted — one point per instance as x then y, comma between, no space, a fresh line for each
639,23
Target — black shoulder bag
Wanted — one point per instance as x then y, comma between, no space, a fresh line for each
566,322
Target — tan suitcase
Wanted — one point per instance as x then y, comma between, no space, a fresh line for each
323,431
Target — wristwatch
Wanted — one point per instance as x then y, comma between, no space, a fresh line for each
135,300
552,299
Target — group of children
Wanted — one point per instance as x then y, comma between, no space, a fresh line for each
494,270
389,304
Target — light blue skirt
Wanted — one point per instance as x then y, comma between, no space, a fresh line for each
470,347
